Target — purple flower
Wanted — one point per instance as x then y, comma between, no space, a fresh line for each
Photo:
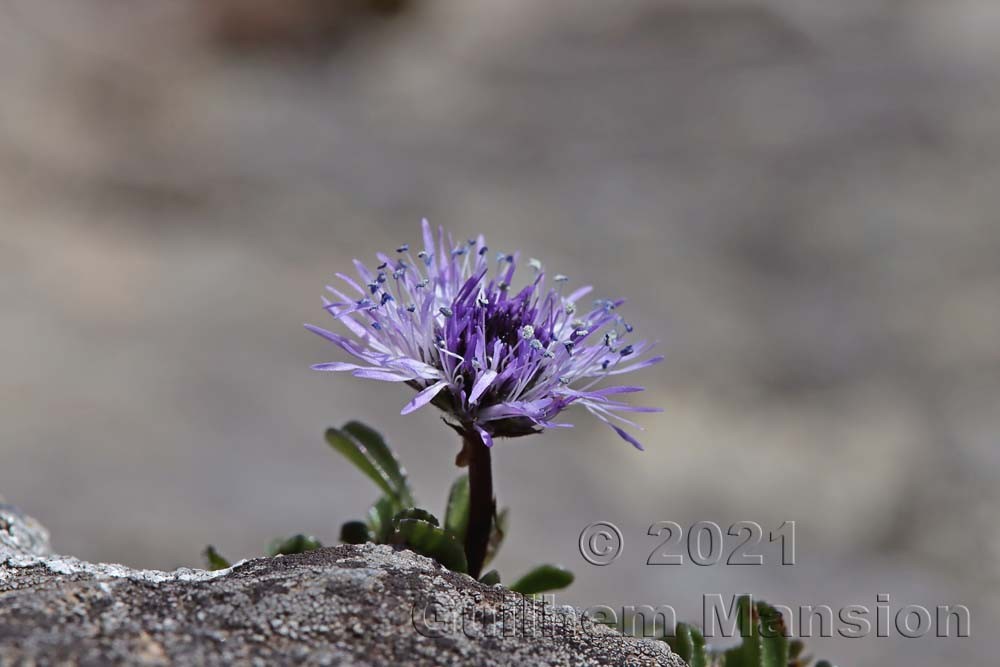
497,360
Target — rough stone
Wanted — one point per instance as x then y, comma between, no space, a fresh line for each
346,605
20,535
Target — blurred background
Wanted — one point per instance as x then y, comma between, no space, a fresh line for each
798,197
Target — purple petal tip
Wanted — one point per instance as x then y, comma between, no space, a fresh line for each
628,438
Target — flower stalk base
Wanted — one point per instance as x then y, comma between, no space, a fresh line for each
482,505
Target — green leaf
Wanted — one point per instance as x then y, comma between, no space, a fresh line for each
774,643
689,644
380,518
383,455
355,532
699,655
750,652
366,461
429,540
491,578
214,559
456,516
681,643
542,579
823,663
414,513
295,544
496,536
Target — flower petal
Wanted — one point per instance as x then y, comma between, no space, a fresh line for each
482,384
634,367
628,438
417,368
345,344
442,317
607,391
579,294
428,237
350,281
487,438
424,397
335,366
379,374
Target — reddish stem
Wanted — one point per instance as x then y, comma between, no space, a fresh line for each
482,506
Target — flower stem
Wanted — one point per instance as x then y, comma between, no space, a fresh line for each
481,503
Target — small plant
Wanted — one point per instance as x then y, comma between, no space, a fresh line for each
764,642
499,363
296,544
395,518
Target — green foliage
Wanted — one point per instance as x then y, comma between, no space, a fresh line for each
428,539
543,579
750,653
214,560
764,644
456,515
383,456
772,633
355,532
414,513
689,644
369,453
395,518
491,578
380,518
296,544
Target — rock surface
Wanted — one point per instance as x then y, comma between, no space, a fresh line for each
347,605
20,535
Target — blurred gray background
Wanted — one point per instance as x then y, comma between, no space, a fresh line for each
798,197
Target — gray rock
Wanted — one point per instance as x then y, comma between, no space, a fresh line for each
347,605
20,535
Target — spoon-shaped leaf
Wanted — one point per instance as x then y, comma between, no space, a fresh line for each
383,456
681,642
751,651
699,655
358,454
774,643
214,559
433,542
414,513
380,518
456,515
542,579
689,644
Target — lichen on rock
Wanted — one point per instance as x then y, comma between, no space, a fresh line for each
20,535
346,605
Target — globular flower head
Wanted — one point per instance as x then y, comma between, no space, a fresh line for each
447,321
